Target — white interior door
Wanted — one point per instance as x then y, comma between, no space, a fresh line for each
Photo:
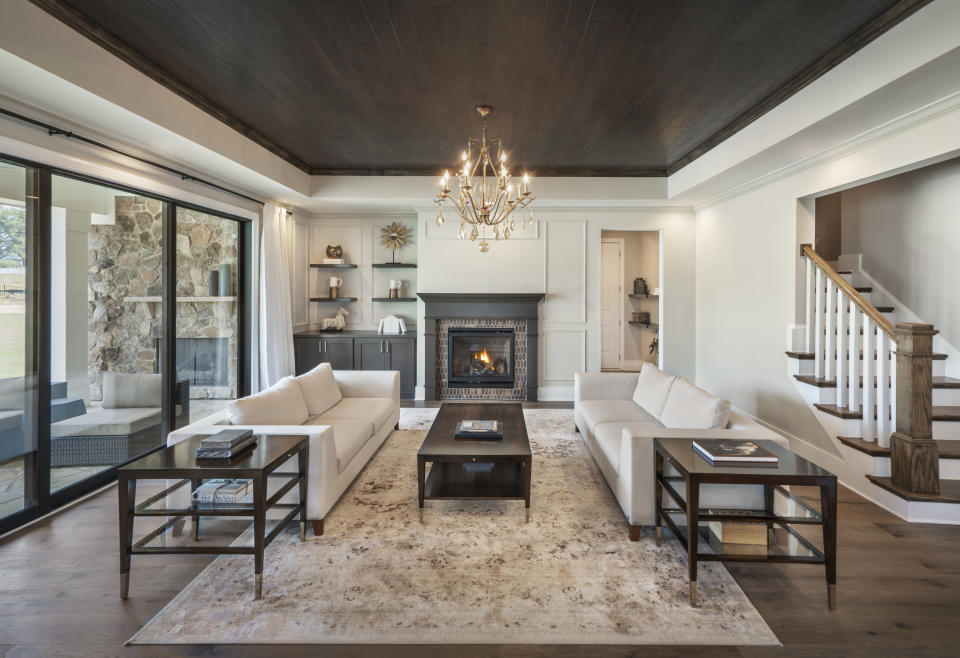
611,304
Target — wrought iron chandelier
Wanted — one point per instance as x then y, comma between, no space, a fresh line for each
484,198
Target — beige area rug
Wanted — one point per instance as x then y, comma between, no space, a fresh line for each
474,572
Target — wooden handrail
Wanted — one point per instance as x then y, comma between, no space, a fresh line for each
850,291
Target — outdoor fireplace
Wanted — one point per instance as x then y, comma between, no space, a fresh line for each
480,358
203,361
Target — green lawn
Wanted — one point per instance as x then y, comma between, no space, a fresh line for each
11,337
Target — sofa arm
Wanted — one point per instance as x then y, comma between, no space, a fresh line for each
369,384
604,385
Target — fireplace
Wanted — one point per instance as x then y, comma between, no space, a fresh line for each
203,361
480,358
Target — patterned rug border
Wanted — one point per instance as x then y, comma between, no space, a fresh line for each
417,420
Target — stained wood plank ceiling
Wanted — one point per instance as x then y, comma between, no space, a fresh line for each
581,87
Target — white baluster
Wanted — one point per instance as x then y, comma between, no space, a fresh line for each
842,345
853,359
830,329
883,388
811,299
869,423
818,351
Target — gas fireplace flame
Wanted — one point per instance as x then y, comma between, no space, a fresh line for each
482,356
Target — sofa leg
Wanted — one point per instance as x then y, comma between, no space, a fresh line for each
576,429
317,527
397,426
635,531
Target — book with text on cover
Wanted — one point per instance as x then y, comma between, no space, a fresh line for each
731,452
478,429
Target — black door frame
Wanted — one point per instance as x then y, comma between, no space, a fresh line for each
38,499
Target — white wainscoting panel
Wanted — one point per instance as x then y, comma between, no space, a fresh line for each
564,353
565,244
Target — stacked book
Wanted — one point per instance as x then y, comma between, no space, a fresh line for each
222,491
225,444
728,452
478,429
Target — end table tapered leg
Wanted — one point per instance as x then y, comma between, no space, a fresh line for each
127,492
828,512
657,493
302,462
693,535
421,476
259,528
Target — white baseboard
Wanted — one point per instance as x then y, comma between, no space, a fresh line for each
420,393
555,393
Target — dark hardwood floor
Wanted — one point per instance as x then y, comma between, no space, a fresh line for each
899,595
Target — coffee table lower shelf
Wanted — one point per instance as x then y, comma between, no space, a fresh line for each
460,481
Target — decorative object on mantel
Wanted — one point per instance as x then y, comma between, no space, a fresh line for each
641,316
226,280
640,286
395,286
335,283
213,282
394,236
337,322
656,292
484,203
334,255
391,324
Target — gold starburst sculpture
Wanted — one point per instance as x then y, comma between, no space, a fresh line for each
393,236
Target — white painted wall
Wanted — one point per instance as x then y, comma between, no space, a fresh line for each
907,229
748,264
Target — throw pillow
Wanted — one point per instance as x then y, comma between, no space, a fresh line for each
127,390
691,407
319,389
281,404
653,387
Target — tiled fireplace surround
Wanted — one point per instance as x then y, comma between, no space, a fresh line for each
444,311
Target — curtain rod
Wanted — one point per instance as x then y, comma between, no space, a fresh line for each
54,130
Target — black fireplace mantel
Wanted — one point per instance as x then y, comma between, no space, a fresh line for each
438,305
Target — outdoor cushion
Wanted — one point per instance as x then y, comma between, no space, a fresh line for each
374,410
281,404
319,389
691,407
123,390
108,422
653,388
597,412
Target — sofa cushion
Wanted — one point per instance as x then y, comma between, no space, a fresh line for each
597,412
349,436
281,404
374,410
319,389
653,388
691,407
125,390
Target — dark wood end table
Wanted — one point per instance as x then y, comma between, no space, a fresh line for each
452,478
178,462
784,543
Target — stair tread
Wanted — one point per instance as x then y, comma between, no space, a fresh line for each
949,490
808,356
938,382
946,449
940,413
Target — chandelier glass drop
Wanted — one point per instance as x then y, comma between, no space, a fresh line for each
484,197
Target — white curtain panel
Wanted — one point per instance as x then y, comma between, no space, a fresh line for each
276,318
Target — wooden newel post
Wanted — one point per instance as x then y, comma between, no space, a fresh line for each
914,463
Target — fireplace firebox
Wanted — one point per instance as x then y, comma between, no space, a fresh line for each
480,358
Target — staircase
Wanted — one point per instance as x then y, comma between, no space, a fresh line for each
845,365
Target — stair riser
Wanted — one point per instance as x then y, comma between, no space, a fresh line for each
943,429
880,466
942,397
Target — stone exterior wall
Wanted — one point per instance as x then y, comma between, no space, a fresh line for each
125,260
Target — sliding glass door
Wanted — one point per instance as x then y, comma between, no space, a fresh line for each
18,376
122,317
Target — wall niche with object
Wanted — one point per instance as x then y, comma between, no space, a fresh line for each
642,296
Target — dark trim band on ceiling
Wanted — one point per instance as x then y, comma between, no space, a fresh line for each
54,130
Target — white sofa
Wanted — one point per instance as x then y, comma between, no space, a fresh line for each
619,432
343,438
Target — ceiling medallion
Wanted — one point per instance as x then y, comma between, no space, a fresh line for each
484,197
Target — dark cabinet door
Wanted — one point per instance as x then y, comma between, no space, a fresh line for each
403,357
307,354
339,352
370,353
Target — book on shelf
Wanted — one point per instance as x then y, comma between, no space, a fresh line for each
731,532
226,491
225,439
478,429
334,261
731,452
227,453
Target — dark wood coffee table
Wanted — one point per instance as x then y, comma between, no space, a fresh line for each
677,464
178,462
452,478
